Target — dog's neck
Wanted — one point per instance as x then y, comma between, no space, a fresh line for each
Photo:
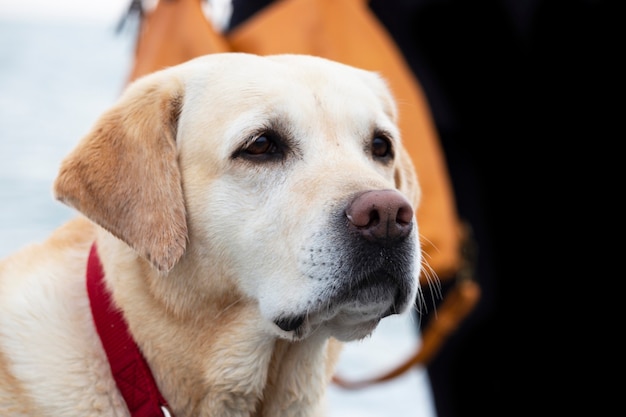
231,367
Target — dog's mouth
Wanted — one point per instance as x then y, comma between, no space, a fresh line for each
350,312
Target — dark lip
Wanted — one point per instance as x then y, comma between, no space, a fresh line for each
291,323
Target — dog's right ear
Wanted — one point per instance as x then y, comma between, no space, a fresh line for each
124,174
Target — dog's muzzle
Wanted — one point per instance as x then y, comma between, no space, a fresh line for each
367,268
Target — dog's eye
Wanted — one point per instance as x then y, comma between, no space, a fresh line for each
263,146
381,147
266,145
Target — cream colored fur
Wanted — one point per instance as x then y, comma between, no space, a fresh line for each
207,238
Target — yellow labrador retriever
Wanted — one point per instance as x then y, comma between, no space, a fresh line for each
240,217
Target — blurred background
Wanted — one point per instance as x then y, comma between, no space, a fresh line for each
509,83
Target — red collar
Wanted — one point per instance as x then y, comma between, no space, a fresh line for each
130,370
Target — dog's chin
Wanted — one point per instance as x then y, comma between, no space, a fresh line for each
344,327
347,326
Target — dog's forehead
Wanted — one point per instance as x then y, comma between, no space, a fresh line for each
231,94
245,80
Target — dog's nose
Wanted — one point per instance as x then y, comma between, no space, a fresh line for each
381,215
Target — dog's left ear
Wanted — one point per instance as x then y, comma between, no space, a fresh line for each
406,178
124,174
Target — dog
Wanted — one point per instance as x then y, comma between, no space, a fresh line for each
247,216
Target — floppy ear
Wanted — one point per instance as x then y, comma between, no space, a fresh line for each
124,174
406,178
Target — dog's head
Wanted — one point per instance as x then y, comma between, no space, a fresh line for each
284,176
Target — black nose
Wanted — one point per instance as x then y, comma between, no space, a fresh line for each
382,216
